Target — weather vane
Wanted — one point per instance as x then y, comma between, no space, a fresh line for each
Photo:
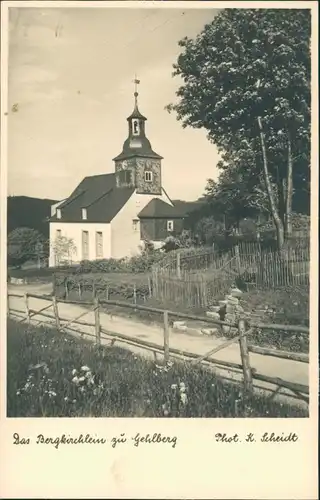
136,83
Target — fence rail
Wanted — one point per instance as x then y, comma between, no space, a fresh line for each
166,350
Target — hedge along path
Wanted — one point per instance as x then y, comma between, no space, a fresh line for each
64,284
249,374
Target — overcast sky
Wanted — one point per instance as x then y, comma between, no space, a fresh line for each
70,82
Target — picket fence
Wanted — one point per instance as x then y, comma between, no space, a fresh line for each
197,277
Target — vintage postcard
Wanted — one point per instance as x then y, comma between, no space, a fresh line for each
159,249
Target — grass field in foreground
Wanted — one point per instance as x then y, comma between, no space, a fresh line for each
50,374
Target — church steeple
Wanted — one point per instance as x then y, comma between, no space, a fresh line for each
138,166
137,143
136,120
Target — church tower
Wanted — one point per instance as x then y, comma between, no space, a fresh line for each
138,165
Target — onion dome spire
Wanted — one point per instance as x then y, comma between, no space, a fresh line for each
137,143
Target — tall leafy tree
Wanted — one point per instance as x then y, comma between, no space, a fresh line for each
23,245
246,80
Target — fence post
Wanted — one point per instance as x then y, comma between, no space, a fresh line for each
237,255
149,287
204,291
26,302
54,284
66,287
97,320
134,293
56,311
245,360
93,290
179,265
155,281
166,336
79,290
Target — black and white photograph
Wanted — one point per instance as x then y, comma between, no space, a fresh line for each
158,209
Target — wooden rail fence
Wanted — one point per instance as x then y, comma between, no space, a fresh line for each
244,330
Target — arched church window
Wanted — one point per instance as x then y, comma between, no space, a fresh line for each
135,125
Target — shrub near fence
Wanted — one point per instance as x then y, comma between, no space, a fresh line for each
86,287
137,264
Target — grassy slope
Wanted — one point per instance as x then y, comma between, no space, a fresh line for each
124,385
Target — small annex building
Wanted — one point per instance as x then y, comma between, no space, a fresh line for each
112,215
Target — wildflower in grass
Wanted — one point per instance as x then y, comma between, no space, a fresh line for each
74,372
81,379
90,380
183,398
182,387
66,398
174,387
165,409
75,380
18,393
85,368
161,368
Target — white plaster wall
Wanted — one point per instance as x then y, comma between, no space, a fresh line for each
125,241
74,230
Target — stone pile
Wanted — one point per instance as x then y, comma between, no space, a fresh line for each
18,281
228,310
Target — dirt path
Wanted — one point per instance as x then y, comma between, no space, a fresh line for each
288,370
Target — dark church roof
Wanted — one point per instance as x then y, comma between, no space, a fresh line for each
136,113
159,209
143,149
99,195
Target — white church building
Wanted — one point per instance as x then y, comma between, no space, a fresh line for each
112,215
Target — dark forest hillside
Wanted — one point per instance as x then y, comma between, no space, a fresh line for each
29,212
